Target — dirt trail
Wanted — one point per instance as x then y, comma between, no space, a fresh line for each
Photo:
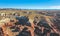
32,25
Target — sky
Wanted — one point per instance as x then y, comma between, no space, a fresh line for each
30,4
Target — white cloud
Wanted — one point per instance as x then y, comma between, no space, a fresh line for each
54,7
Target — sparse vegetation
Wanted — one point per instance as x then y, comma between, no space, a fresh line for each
47,24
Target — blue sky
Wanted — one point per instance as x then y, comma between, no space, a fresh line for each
30,4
